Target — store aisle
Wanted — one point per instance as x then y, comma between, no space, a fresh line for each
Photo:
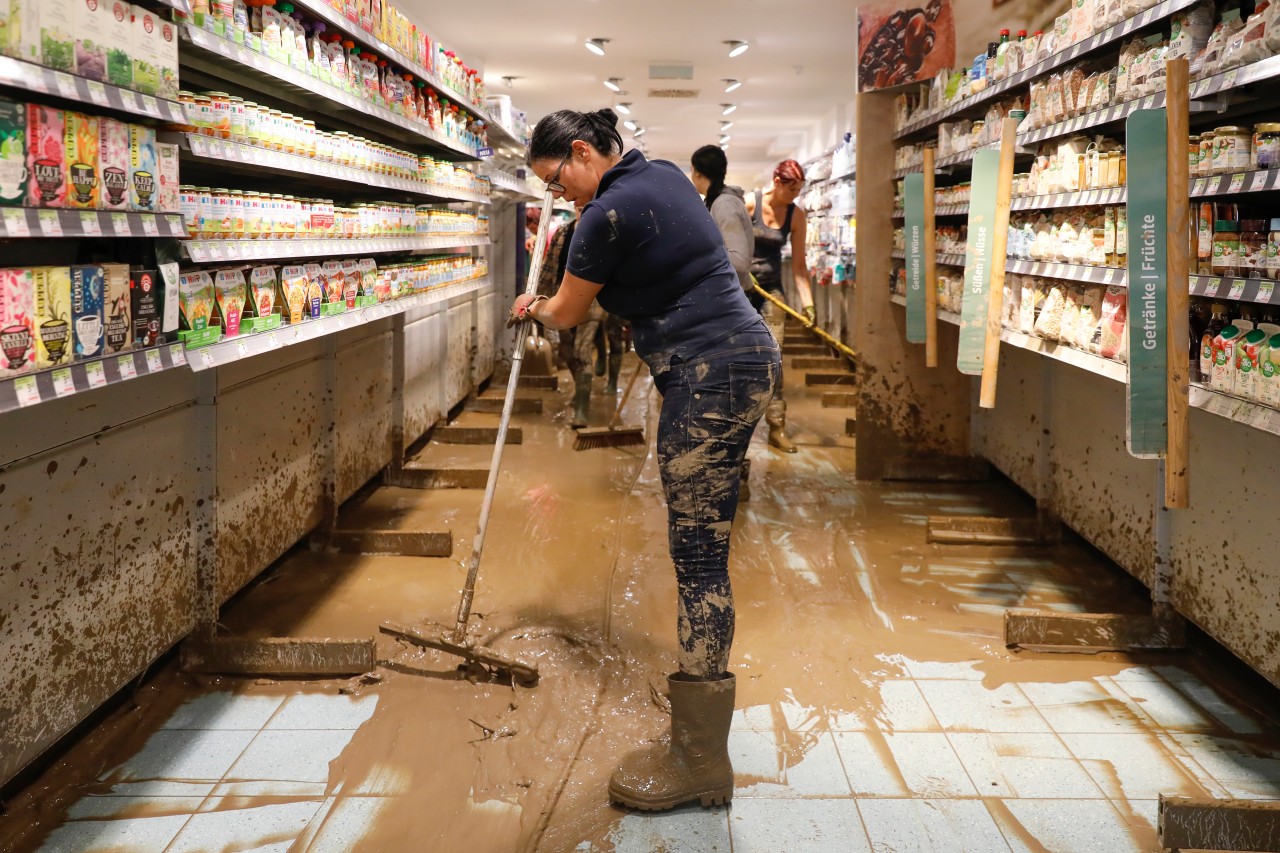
877,707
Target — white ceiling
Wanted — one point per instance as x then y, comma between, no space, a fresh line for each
797,76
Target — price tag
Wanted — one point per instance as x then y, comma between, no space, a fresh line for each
127,370
25,388
15,223
89,224
217,149
66,86
50,224
95,374
154,362
1265,290
1229,79
120,224
63,384
149,226
271,339
1212,286
98,93
1199,186
178,355
1259,181
206,358
149,105
1110,276
1237,288
241,349
259,62
1237,183
215,252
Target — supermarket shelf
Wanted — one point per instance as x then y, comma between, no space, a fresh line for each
183,6
1113,113
273,78
1254,72
1235,409
499,135
1235,183
242,157
31,389
248,346
1067,272
1088,198
21,222
1062,57
25,75
1260,290
223,251
508,183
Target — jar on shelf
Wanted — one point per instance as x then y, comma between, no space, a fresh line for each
1226,247
201,115
1193,155
222,213
204,200
237,215
310,138
1231,149
1253,247
275,123
252,215
187,99
221,114
189,204
1206,153
239,120
1266,146
276,208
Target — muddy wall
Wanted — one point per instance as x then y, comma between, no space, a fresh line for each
97,496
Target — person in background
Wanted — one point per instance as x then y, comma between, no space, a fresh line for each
775,220
648,249
532,219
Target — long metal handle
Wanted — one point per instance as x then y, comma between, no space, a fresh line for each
508,405
811,326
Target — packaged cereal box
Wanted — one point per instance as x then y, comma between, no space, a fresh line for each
142,168
13,152
86,310
80,136
46,157
144,52
262,291
146,304
91,23
167,186
116,305
293,292
230,292
351,283
195,300
119,37
57,33
113,164
53,318
17,321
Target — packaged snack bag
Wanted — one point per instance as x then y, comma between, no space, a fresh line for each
17,322
46,157
262,291
229,293
142,168
195,300
335,282
86,310
13,152
293,292
352,278
116,305
53,318
80,137
113,164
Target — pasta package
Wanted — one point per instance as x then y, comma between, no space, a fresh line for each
1113,322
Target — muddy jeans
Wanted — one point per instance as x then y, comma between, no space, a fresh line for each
710,407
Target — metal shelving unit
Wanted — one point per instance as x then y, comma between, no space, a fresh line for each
31,389
89,93
223,251
23,222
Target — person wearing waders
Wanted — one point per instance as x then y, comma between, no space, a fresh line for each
648,249
775,220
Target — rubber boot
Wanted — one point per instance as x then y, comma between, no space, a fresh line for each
695,765
776,417
744,482
615,367
581,399
600,361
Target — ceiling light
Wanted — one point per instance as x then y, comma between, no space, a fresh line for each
728,108
639,131
596,46
737,48
730,84
629,125
724,139
725,125
625,109
612,83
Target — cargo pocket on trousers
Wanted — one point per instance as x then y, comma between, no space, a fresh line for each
750,390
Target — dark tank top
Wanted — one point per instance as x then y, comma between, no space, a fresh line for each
766,263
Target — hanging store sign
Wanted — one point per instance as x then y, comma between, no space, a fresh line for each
898,45
914,210
1146,140
977,261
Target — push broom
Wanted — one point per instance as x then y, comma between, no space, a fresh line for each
612,435
455,641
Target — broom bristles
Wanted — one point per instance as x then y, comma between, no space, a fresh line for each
597,438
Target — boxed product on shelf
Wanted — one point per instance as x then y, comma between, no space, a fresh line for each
57,32
17,322
92,21
263,284
144,52
294,289
53,319
142,168
167,178
146,306
86,310
13,153
113,164
165,46
195,301
230,294
119,42
80,136
46,157
116,309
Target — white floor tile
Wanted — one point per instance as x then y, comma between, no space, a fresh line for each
906,764
184,756
1072,826
1087,707
797,826
935,826
114,836
970,706
162,788
805,766
1133,766
224,711
952,671
232,823
765,718
689,829
286,763
346,824
900,707
1022,765
1233,719
321,711
99,807
1168,707
1247,772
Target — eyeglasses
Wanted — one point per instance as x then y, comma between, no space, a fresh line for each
554,184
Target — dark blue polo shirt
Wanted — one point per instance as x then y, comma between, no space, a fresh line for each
649,240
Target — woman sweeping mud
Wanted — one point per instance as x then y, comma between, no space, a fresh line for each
647,248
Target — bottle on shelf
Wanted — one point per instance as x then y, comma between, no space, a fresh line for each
1217,322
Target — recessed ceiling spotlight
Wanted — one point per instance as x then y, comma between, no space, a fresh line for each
629,125
728,108
596,46
639,131
724,139
725,125
625,109
612,83
737,48
509,82
730,84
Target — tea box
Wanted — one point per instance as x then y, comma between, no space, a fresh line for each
116,309
13,152
46,157
167,169
113,164
195,300
22,31
166,59
52,287
80,138
230,293
293,293
86,310
146,305
17,321
142,168
119,43
146,74
262,291
91,22
57,33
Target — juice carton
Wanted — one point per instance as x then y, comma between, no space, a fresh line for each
293,292
53,318
142,168
13,152
195,300
86,310
1248,364
91,25
119,41
113,164
143,50
1269,373
17,322
166,60
80,138
57,33
351,281
167,168
1223,377
229,293
262,292
146,305
46,157
116,305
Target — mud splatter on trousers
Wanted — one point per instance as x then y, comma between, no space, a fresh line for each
710,407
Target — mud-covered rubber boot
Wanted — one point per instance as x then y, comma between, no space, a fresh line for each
601,365
695,765
581,399
744,482
776,417
615,367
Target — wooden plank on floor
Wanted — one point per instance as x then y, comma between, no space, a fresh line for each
450,434
1188,823
412,477
805,349
811,379
978,530
839,400
493,405
542,383
1043,629
938,469
398,543
291,656
811,362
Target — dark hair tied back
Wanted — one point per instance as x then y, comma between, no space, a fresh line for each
711,162
553,137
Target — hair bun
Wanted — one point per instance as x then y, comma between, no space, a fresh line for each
605,116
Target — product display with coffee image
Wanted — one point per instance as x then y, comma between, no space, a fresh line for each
897,46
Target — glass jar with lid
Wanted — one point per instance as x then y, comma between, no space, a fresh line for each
1231,146
200,114
221,213
1253,247
1266,146
309,138
237,215
239,132
187,99
277,216
1226,247
221,114
1206,153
